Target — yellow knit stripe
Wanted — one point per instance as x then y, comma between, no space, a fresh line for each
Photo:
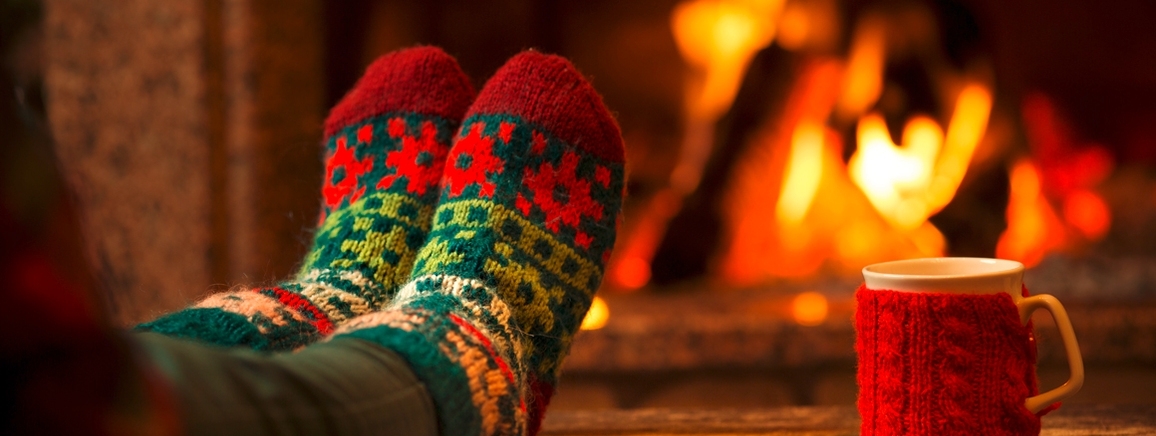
437,255
531,236
534,308
253,306
369,251
391,205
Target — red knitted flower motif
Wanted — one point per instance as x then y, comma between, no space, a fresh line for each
420,160
563,196
470,161
344,159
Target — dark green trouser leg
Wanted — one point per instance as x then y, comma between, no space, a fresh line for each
343,387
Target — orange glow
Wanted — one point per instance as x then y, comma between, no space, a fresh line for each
1033,229
908,184
863,80
964,132
597,316
804,170
632,272
794,210
719,37
1088,213
794,27
809,308
893,178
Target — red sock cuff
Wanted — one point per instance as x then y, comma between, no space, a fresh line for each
943,364
549,91
423,80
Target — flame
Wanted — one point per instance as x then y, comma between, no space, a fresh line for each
804,170
863,81
1033,229
821,217
908,184
964,132
597,316
719,37
629,266
1087,213
1063,170
810,308
894,178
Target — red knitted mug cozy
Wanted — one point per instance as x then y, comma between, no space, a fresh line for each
943,364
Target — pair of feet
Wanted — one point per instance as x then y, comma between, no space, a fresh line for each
467,234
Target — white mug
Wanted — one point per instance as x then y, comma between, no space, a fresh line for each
969,275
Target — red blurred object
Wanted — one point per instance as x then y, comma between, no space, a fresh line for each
1066,163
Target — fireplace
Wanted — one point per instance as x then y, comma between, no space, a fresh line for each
775,148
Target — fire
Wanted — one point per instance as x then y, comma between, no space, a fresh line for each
1063,171
718,38
795,208
803,173
909,184
1088,213
597,316
864,79
894,178
1033,229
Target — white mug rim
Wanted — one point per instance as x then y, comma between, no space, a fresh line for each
997,267
970,275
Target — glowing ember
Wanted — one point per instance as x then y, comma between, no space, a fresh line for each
1088,213
598,315
809,308
631,272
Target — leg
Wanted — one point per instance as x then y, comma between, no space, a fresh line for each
526,220
345,387
386,144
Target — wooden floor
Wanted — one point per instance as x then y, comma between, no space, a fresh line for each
819,421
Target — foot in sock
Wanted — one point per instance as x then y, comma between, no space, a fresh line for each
386,144
526,220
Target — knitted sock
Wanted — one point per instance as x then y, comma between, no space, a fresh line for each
943,364
386,143
526,221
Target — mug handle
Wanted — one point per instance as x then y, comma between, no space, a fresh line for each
1075,362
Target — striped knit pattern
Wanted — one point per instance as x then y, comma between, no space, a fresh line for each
460,341
386,145
530,198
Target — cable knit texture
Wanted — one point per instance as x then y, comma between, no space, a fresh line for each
386,144
526,220
943,364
